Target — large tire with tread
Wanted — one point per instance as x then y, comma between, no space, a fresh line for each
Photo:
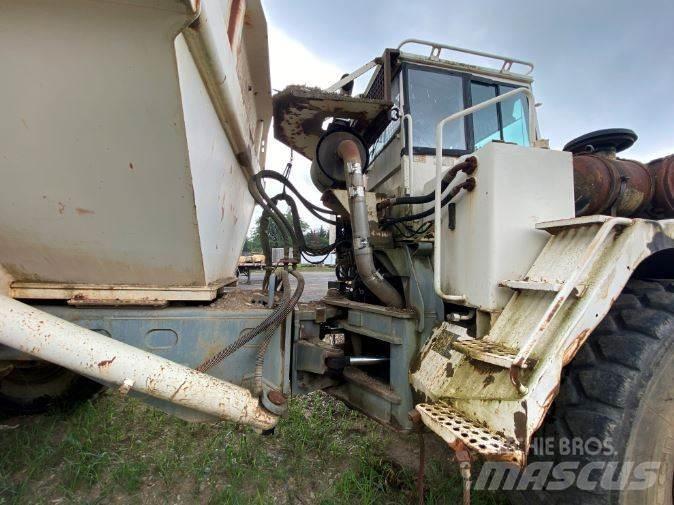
33,387
619,390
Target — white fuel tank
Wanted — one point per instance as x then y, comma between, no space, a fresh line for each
127,133
494,237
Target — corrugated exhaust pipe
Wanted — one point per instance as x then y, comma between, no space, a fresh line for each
350,153
89,353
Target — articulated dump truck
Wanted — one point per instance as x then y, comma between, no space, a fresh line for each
491,290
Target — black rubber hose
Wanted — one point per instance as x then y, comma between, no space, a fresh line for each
314,209
468,166
293,232
300,240
468,185
270,174
259,195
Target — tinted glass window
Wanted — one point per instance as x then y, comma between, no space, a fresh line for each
432,97
485,121
514,114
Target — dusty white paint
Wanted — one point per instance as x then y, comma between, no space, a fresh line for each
5,282
489,397
495,237
116,169
223,203
89,353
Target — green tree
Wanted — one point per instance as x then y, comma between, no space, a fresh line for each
318,237
253,244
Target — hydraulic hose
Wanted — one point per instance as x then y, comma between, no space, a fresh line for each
360,227
294,230
292,301
257,190
314,209
467,166
266,328
299,241
468,185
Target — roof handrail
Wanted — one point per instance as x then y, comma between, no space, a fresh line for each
436,48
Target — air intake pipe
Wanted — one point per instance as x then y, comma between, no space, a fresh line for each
341,147
360,227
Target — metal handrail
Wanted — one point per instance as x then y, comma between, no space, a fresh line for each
589,256
409,139
532,127
437,47
352,76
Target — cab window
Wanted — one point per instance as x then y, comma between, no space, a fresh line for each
505,121
432,94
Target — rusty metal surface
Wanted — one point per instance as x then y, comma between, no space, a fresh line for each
299,113
452,427
489,352
358,376
610,186
277,398
663,200
483,392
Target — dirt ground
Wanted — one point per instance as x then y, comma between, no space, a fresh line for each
315,287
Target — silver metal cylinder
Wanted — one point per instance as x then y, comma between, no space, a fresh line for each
366,360
360,227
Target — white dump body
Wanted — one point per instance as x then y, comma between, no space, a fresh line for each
127,133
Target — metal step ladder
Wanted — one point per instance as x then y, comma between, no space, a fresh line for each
501,385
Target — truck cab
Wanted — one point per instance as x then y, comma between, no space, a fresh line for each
426,89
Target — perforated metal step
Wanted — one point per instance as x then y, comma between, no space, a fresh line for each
489,352
450,425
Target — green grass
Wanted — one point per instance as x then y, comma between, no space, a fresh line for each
119,450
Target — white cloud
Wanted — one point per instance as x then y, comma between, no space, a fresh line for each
293,63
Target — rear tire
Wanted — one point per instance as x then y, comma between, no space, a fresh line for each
33,387
618,391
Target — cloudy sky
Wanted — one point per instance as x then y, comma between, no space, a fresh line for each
598,63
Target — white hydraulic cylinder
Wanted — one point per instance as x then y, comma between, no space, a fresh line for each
89,353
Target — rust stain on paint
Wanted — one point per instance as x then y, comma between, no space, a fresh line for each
106,362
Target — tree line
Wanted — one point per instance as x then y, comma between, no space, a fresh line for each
315,237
